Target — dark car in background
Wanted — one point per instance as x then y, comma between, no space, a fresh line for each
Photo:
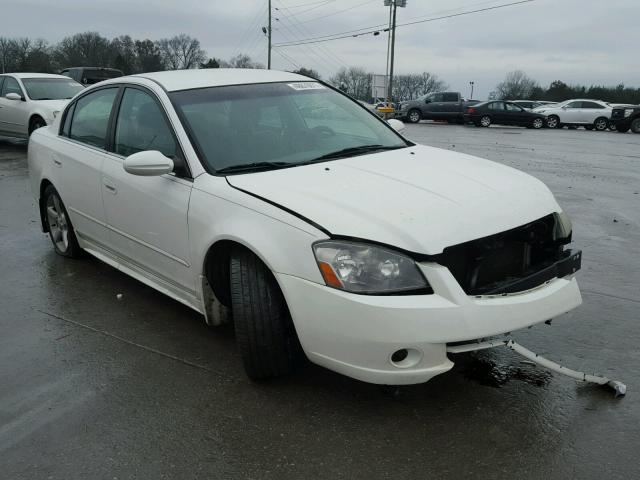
448,106
91,75
626,117
499,112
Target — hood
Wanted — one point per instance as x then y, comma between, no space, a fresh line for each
420,199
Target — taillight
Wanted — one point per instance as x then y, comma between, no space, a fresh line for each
471,110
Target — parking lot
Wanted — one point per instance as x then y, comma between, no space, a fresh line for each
103,377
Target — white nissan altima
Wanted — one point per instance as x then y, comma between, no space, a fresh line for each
275,202
29,101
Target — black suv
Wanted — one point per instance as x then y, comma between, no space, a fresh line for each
626,118
91,75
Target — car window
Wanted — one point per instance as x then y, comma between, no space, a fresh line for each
51,88
10,86
496,106
67,121
450,97
438,97
591,105
91,117
574,105
1,82
141,125
510,107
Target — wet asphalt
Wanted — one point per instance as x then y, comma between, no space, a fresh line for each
96,387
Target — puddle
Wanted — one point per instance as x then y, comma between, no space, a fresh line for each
487,371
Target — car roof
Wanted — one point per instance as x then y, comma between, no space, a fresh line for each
35,75
216,77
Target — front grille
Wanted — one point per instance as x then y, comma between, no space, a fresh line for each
482,266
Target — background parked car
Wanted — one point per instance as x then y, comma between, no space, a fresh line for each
31,100
591,114
503,113
526,104
91,75
626,117
435,106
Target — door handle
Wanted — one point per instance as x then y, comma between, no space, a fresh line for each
56,161
109,186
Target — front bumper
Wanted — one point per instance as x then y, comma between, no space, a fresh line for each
356,335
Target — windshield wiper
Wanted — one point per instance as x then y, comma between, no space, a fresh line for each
352,151
255,167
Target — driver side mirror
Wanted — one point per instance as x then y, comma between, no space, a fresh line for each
150,163
397,125
13,96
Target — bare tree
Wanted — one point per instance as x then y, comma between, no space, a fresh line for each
241,61
515,85
6,54
407,87
181,52
86,49
354,81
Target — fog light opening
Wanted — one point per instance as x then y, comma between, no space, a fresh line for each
405,357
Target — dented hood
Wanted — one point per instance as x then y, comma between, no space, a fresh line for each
420,199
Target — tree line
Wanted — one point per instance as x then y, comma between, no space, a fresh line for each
518,85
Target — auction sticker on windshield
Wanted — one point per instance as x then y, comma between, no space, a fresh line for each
307,86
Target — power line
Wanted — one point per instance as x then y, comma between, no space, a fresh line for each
341,35
337,12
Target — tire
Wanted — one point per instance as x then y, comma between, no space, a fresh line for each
36,123
622,129
63,236
485,121
635,126
601,124
537,123
553,121
265,334
414,116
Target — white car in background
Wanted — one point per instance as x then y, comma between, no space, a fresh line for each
276,202
29,101
591,114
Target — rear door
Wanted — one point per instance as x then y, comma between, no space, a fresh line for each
78,161
497,112
450,103
147,216
592,110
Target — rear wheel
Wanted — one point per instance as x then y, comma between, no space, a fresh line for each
553,121
635,126
485,121
59,225
265,334
537,123
414,116
601,124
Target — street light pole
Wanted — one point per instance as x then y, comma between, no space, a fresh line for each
269,35
393,48
471,83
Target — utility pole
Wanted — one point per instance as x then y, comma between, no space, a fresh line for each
394,4
269,33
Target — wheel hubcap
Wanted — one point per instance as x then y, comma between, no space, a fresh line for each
537,123
414,116
601,125
485,121
58,223
552,122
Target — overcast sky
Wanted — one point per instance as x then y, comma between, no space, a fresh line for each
579,41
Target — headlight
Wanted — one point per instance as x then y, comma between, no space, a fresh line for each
367,269
563,226
628,112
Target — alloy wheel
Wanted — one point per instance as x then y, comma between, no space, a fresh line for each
58,223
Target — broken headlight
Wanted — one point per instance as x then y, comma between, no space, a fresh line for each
368,269
563,227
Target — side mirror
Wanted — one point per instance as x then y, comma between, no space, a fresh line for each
149,163
13,96
397,125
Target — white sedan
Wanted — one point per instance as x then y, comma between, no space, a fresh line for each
591,114
275,202
29,101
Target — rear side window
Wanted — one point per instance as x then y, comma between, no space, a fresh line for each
450,97
496,106
142,126
10,86
591,105
90,118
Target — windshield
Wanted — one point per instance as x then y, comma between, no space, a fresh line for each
51,88
279,125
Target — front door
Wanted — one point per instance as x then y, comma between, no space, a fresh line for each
147,216
14,114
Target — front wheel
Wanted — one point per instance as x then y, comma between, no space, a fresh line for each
485,121
537,123
553,121
601,124
414,116
635,126
265,334
61,231
36,123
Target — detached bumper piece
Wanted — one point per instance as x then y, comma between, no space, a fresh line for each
619,388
